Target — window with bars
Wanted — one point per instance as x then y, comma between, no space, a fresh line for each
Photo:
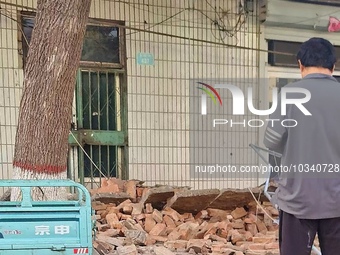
289,59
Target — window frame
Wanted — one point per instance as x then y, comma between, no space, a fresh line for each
271,46
92,22
122,44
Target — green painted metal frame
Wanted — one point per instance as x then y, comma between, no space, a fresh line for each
97,137
79,114
101,137
124,118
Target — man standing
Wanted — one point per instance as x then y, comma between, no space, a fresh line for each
308,192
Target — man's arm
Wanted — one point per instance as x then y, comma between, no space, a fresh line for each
276,133
274,137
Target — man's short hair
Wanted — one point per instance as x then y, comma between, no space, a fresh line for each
317,52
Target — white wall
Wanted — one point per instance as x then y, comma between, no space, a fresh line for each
159,123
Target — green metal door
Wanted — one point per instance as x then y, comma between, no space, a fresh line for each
101,125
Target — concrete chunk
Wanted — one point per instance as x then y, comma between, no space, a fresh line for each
192,201
229,199
136,236
158,196
107,198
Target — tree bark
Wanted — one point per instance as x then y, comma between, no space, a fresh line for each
46,106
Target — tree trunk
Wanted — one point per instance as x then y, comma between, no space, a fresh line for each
46,106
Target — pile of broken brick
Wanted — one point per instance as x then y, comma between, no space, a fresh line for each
132,219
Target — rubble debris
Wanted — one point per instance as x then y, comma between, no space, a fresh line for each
141,225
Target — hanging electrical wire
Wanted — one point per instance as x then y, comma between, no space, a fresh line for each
101,22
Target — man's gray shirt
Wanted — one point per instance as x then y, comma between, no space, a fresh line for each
314,143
